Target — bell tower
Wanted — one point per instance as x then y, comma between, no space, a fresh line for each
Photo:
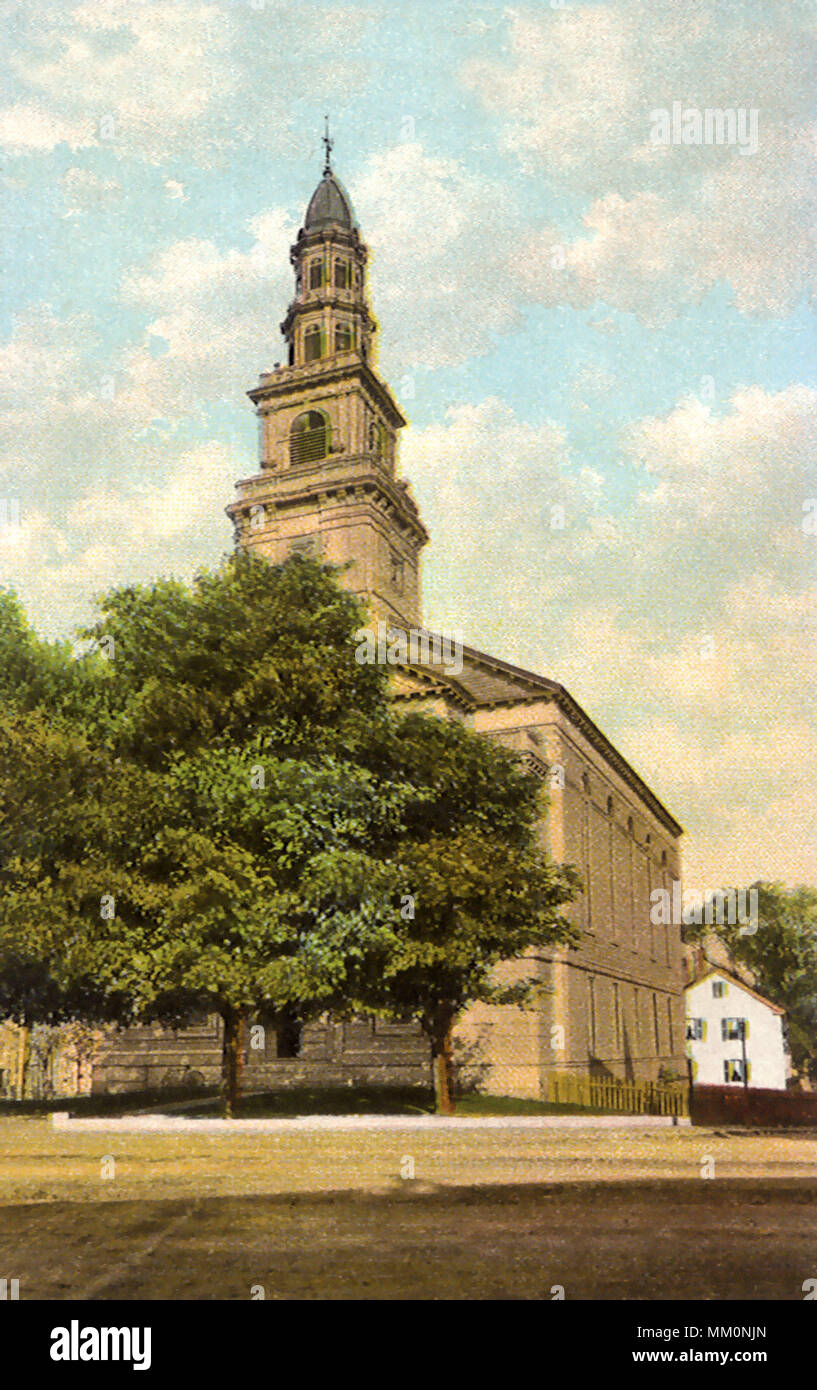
328,484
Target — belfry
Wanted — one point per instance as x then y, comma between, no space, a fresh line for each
328,427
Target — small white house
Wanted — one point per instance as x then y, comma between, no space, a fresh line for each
734,1035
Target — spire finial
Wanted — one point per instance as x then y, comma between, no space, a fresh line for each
328,144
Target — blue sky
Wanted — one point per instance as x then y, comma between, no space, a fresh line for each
570,315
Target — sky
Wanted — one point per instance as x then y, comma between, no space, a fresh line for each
604,345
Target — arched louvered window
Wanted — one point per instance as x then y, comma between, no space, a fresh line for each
377,438
309,437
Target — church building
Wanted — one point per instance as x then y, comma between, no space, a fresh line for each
328,485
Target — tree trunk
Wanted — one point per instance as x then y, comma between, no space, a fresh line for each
441,1052
232,1060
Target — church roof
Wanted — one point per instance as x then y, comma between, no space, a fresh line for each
486,680
329,203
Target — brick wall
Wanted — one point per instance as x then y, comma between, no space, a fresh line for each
752,1105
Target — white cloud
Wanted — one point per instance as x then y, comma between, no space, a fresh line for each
179,79
29,128
440,273
663,225
216,314
85,191
685,621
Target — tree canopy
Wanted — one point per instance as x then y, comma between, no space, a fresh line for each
220,810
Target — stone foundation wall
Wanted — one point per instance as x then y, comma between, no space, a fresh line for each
331,1053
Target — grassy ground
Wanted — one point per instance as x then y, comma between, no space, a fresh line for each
707,1241
301,1100
666,1213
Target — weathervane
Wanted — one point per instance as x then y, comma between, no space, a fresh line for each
328,143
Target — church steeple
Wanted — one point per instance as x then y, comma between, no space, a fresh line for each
329,314
328,425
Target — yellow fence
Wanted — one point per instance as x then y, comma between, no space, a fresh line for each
626,1097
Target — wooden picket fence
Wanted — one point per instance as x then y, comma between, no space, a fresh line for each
624,1097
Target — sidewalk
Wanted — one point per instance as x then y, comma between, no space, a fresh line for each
167,1124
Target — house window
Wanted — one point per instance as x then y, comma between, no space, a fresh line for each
718,989
343,338
309,438
696,1030
313,343
732,1028
733,1070
315,275
343,275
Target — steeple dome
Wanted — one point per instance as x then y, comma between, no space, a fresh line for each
329,203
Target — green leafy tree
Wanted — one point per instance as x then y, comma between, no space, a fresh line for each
781,956
464,889
239,821
237,701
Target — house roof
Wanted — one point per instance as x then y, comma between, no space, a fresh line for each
740,984
487,681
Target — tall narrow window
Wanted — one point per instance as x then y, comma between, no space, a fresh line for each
617,1016
656,1025
313,343
343,275
315,275
309,438
343,338
591,1007
376,438
397,571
